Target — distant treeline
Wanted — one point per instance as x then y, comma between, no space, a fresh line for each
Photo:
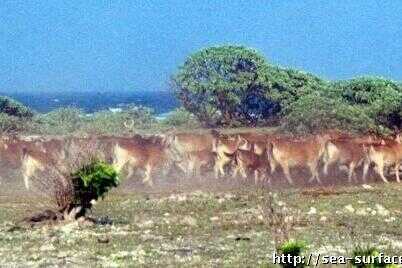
234,86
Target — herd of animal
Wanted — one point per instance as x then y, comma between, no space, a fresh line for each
249,154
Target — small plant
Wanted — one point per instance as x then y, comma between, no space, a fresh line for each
367,256
91,182
70,186
294,249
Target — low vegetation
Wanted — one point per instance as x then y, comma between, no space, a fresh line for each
205,227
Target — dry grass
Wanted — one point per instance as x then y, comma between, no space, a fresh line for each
209,227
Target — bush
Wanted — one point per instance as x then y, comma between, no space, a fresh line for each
60,121
128,120
288,85
314,113
71,182
14,108
294,249
181,118
72,120
91,182
361,257
381,98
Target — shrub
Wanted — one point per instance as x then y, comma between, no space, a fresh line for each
128,120
288,85
60,121
181,118
69,186
294,249
91,182
381,98
361,255
14,108
317,112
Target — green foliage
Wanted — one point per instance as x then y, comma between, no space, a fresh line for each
181,118
361,254
314,113
381,98
234,85
72,120
92,181
224,85
128,120
14,108
293,248
60,121
288,85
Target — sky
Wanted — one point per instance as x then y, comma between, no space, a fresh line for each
137,45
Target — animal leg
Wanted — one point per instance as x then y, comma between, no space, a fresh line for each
286,171
352,166
314,173
380,171
366,166
147,178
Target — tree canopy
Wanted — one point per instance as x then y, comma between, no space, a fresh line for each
235,85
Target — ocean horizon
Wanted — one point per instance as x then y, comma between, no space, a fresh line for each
161,102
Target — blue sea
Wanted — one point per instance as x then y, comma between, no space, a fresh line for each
161,102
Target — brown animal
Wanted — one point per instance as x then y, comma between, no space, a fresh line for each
344,152
289,153
199,160
226,146
248,160
141,153
191,142
181,144
37,155
386,154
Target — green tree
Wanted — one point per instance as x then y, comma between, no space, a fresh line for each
224,85
234,85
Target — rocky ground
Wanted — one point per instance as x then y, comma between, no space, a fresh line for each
204,227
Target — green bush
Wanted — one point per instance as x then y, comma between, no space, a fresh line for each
293,248
381,98
61,121
128,120
14,108
180,117
91,182
366,252
315,112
